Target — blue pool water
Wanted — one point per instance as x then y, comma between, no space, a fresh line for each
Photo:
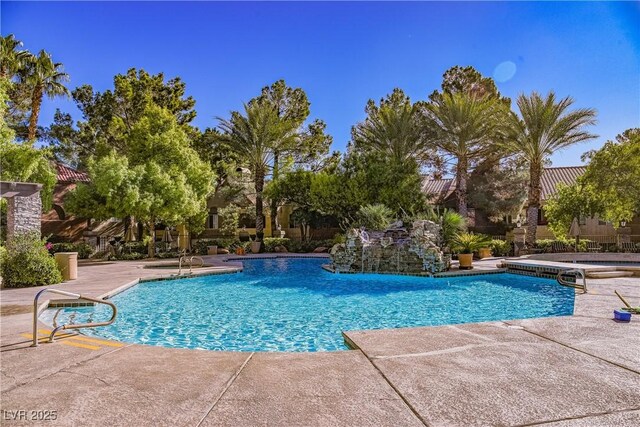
294,305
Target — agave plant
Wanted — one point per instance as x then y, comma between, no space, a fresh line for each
467,243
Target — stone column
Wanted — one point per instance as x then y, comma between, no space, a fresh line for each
23,214
623,234
519,239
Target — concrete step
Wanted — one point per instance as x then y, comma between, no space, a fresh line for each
608,274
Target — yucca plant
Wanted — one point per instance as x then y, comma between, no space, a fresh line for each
375,217
451,222
468,243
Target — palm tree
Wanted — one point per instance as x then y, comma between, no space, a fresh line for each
393,130
12,60
253,137
463,126
43,77
545,127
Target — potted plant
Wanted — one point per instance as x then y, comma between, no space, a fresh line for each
484,252
256,243
465,244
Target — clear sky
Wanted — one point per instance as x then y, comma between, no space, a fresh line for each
343,54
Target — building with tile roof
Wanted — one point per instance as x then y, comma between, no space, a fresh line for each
439,191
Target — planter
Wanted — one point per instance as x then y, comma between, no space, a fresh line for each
212,250
466,261
484,253
67,264
240,251
255,247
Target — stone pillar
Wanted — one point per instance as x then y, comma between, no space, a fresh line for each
623,234
23,214
519,239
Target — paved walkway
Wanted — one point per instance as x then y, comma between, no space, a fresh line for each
581,370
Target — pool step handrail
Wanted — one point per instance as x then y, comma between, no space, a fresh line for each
578,273
183,258
36,314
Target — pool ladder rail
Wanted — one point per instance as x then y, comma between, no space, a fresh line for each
578,273
184,258
69,326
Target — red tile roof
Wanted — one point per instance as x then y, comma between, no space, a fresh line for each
67,174
439,190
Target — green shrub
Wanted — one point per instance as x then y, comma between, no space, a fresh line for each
164,255
27,262
135,247
297,246
83,248
339,238
374,217
547,244
269,243
129,256
500,247
468,243
200,246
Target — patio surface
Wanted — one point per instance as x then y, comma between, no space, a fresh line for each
580,370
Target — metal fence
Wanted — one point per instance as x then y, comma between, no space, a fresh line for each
611,239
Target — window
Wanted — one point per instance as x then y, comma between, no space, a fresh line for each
212,220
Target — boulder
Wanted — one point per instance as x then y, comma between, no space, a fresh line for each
320,250
223,251
280,249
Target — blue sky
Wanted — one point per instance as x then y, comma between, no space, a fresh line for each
343,54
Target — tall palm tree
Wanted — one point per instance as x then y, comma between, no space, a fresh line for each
545,126
253,137
12,60
463,126
393,130
43,77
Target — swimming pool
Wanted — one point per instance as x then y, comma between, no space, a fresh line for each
287,304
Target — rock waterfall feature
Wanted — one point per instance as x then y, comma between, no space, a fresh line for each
411,250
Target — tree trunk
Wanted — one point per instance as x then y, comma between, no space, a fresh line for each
273,205
36,102
259,186
152,241
461,186
139,231
533,202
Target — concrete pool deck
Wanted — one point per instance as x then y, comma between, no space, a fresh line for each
580,370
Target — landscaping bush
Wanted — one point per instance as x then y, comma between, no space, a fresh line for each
374,217
164,255
135,247
129,256
200,246
500,247
27,262
83,248
269,243
547,244
297,246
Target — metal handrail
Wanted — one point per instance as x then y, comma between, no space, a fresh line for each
191,262
184,258
577,272
64,327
